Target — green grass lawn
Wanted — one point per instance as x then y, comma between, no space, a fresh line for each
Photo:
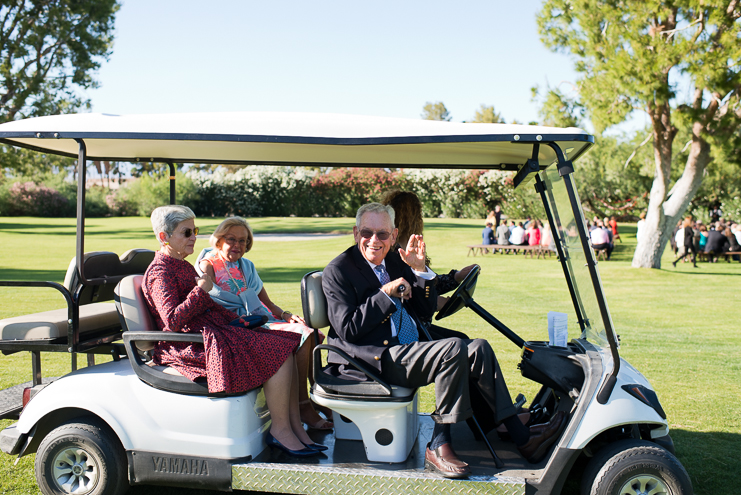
679,327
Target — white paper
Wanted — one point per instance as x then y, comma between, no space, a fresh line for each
558,333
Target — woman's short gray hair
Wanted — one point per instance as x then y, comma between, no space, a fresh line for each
166,218
227,224
375,208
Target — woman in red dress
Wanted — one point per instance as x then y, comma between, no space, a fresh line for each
232,358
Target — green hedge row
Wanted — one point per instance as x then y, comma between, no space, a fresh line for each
278,191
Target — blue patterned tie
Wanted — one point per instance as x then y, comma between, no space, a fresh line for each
406,330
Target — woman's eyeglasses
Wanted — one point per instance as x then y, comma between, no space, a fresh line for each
189,232
234,240
381,235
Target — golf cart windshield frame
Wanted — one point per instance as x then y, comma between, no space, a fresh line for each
575,253
548,163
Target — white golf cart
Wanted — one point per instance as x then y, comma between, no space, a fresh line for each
143,425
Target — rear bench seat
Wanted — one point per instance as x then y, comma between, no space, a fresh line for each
96,317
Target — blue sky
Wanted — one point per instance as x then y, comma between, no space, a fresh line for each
384,58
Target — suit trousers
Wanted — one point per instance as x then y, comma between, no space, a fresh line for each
450,364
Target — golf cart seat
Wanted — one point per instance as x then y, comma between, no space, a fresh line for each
96,317
140,334
383,416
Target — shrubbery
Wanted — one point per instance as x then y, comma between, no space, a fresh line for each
30,199
147,193
279,191
284,191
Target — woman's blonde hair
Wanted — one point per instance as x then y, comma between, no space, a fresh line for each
224,227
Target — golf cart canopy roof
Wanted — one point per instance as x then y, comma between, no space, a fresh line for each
295,139
341,140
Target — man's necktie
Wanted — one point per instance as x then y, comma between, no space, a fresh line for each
406,330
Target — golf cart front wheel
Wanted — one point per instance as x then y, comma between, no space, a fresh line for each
81,458
635,467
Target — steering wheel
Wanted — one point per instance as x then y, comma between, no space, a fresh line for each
462,294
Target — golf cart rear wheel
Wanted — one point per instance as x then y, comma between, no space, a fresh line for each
81,457
635,467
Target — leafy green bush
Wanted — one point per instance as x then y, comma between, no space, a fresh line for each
343,190
147,193
285,191
119,205
731,208
95,202
31,199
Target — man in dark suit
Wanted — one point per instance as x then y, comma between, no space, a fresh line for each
375,301
717,244
487,234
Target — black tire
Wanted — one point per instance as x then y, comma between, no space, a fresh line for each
631,466
81,457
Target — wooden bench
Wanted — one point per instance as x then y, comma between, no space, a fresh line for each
480,248
502,248
729,254
703,256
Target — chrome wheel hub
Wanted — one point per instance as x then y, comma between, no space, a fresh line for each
644,485
75,472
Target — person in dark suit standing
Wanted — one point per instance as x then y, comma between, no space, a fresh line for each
375,303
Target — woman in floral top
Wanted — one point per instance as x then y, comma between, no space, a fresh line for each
238,287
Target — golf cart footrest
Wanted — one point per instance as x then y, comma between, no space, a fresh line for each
365,480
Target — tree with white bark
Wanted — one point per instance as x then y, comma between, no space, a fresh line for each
633,56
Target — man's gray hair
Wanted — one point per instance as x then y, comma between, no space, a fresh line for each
166,218
375,208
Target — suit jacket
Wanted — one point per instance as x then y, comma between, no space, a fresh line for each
360,313
717,242
487,236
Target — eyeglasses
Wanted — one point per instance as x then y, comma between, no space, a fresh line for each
234,240
381,235
189,232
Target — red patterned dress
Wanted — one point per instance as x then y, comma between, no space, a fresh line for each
232,359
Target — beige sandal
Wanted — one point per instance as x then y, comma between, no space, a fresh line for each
321,425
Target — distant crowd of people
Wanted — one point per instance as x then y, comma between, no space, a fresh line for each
690,238
603,234
528,233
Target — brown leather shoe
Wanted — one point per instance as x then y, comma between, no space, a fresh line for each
541,438
444,461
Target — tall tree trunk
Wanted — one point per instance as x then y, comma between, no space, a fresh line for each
654,236
664,212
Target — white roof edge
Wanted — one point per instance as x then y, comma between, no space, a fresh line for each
289,124
295,138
